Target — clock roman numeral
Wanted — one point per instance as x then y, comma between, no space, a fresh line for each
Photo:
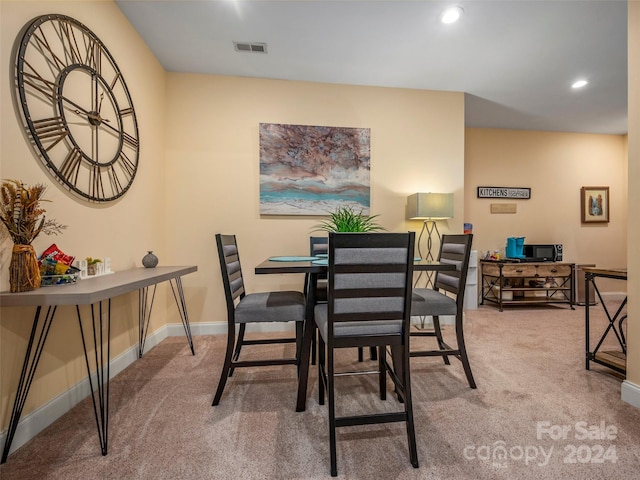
50,131
127,165
88,52
40,42
94,55
96,188
129,140
67,37
39,83
122,175
71,166
115,80
114,180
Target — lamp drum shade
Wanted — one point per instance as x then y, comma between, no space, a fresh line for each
432,206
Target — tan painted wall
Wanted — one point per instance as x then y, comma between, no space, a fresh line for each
633,359
123,230
555,166
417,144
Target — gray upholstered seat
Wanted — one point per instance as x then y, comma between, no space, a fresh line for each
244,308
426,301
270,307
445,298
368,304
347,329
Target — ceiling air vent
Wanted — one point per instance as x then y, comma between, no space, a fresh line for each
250,47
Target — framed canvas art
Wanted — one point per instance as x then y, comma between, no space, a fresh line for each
594,204
311,170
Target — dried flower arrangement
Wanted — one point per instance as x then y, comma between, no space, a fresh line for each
21,213
23,217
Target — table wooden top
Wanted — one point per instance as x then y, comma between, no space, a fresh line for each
620,273
91,290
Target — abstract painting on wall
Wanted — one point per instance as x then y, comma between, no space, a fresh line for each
310,170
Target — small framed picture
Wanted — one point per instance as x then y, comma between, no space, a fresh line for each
594,204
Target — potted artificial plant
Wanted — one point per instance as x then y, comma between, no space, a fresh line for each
346,219
92,265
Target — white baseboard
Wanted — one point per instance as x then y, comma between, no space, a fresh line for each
428,320
36,421
630,393
214,328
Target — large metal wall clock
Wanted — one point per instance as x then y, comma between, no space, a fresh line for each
77,108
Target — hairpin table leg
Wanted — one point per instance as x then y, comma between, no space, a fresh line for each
100,397
38,337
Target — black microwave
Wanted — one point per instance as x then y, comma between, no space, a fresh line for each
550,252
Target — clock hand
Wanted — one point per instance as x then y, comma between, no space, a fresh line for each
78,107
106,123
94,118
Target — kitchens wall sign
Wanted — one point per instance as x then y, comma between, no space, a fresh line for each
504,192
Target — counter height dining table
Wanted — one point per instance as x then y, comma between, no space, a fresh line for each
282,265
93,292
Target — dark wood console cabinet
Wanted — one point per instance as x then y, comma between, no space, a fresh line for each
511,283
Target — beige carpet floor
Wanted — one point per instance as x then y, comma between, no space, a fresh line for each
537,414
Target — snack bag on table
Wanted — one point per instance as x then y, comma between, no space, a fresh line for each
54,261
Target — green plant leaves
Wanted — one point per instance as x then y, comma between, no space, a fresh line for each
345,219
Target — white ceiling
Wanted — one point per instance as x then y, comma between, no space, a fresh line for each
515,60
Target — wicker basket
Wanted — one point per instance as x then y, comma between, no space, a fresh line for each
69,278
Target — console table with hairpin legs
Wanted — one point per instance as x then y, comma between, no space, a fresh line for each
96,292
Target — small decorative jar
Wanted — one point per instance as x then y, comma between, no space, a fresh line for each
149,260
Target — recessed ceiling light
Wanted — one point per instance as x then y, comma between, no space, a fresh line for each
451,15
579,84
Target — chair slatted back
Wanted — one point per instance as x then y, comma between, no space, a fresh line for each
370,276
318,245
230,268
456,250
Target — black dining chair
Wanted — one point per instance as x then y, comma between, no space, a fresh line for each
244,308
445,298
368,305
317,246
320,246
